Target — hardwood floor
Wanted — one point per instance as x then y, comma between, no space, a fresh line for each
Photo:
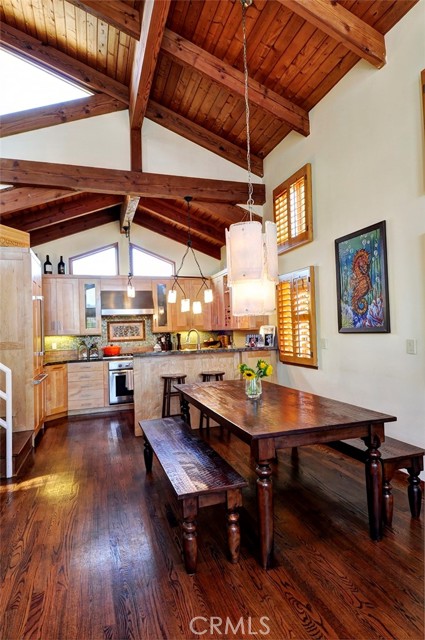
90,549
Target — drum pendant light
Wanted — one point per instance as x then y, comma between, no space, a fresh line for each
252,267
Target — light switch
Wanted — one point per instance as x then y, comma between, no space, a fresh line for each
411,346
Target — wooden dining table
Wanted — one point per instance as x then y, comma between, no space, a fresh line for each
285,417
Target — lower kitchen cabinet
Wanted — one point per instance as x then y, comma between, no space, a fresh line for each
57,390
87,385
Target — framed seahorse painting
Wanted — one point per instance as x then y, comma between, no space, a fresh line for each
362,281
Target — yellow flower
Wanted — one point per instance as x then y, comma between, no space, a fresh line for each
269,370
262,370
248,374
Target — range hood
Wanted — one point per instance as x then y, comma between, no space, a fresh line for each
117,303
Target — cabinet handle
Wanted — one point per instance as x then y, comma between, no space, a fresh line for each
40,378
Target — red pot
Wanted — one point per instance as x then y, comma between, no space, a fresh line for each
111,350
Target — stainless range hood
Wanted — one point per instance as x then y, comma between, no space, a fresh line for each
117,303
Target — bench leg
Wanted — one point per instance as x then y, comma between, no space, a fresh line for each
234,501
388,502
190,544
414,491
148,455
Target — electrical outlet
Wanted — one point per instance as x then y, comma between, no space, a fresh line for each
411,346
324,343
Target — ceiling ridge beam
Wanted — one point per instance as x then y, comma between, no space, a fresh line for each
42,117
202,137
114,12
343,26
61,63
135,183
193,56
145,58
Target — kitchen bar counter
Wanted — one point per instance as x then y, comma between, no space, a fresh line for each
148,368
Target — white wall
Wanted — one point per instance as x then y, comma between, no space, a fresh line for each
367,154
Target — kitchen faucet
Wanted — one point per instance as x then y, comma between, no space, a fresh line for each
198,342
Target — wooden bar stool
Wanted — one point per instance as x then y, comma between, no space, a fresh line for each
207,376
169,380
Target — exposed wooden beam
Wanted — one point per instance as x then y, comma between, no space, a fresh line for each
26,197
116,13
145,58
204,138
62,211
41,117
229,213
163,228
134,183
342,25
69,227
136,149
49,57
178,215
128,209
193,56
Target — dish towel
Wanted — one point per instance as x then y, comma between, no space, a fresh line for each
129,380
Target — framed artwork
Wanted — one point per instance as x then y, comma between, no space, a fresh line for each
125,331
362,281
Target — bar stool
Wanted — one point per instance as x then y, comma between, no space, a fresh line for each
169,380
207,376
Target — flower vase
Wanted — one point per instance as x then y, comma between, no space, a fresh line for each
253,388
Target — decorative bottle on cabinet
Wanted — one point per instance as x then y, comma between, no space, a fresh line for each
48,267
61,266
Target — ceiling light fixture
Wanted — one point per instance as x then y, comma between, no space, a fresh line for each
252,267
172,294
131,292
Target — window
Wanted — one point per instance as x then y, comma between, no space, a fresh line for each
145,263
293,210
100,262
296,314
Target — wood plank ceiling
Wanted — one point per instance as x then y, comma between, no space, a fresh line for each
180,64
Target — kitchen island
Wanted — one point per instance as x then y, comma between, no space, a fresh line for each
150,366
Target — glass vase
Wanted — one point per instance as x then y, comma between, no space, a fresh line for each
253,388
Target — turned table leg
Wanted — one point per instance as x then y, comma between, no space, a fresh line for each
148,455
265,511
373,469
190,544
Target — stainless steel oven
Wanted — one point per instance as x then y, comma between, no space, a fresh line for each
121,381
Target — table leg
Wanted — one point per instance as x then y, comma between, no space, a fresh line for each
265,511
185,410
373,468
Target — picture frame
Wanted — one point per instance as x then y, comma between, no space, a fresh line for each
119,331
362,281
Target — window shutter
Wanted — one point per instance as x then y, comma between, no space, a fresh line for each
297,318
293,210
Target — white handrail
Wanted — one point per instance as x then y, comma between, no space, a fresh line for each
7,424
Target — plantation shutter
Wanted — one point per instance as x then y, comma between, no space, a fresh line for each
297,318
293,210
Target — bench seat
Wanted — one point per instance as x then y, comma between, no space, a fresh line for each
394,455
199,477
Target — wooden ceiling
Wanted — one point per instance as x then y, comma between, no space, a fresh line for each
180,64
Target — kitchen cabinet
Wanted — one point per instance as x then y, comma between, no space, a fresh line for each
183,321
86,385
61,305
21,340
56,390
222,317
162,318
90,314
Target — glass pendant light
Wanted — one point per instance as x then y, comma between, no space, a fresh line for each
252,267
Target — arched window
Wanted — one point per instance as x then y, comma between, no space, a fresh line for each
146,263
99,262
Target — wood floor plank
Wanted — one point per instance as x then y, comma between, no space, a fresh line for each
91,549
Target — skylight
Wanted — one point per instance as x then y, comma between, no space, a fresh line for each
26,86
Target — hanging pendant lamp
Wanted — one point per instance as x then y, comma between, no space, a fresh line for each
252,267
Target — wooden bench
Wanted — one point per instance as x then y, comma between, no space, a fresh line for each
198,476
394,455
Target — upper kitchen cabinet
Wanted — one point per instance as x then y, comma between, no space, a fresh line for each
222,317
162,317
185,320
71,306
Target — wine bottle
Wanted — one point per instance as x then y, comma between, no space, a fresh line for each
61,266
48,267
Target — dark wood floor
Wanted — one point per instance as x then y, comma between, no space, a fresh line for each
90,549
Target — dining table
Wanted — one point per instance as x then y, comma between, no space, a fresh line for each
284,417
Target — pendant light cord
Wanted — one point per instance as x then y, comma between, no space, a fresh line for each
250,201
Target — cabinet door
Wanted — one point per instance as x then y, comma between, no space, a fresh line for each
90,316
185,320
162,320
56,389
61,306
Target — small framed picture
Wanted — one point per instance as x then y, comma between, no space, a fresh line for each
362,281
125,331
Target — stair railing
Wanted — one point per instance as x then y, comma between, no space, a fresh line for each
6,395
